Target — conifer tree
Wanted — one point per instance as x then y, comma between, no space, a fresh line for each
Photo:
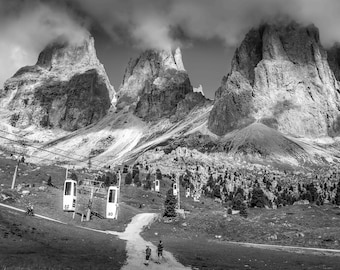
128,179
158,174
170,204
337,195
136,180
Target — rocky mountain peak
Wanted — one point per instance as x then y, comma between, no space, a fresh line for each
67,88
154,83
61,53
281,77
178,59
150,65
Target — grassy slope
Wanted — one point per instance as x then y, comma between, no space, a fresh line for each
32,243
293,225
201,239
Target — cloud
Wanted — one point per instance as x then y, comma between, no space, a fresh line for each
148,23
26,27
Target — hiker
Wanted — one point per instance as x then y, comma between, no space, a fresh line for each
147,255
49,181
30,211
160,249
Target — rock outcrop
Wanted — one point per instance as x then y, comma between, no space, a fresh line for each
281,77
155,83
67,88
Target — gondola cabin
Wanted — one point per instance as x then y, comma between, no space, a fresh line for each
70,195
187,193
112,202
157,185
175,189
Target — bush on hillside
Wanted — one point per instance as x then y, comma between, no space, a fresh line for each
136,180
74,176
238,201
148,183
128,179
135,170
217,192
258,198
158,174
337,195
243,210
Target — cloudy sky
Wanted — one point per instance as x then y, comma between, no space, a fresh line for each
207,31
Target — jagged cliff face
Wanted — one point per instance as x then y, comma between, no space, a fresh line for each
67,88
155,83
281,76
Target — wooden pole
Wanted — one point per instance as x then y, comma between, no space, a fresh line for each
178,193
66,175
88,216
76,207
119,179
118,193
15,174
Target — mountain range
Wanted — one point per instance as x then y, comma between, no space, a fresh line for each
278,106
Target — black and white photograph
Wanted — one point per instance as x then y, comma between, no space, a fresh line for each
170,134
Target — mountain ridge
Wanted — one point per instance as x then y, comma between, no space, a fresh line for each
280,76
67,88
157,116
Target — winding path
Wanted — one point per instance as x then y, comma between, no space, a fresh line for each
136,246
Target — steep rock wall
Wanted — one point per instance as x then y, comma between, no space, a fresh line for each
280,77
67,88
154,84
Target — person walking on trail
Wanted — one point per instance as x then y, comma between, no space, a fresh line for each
147,255
160,250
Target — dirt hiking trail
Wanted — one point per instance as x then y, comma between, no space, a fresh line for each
136,246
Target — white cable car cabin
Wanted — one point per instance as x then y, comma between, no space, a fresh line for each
70,195
112,202
175,189
157,185
187,193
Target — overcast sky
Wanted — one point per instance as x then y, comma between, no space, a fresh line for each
208,31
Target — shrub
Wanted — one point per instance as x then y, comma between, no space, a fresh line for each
313,194
216,191
243,211
136,180
107,181
148,182
337,195
147,185
211,182
14,119
158,174
74,176
128,179
258,198
135,170
238,201
114,179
